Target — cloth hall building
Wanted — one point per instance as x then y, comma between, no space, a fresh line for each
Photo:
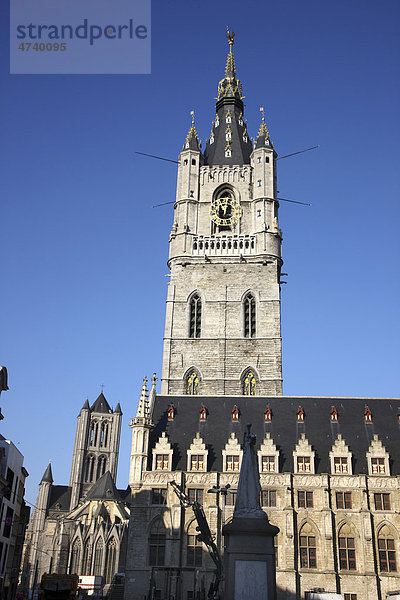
329,467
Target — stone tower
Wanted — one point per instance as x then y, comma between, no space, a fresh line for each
96,446
222,329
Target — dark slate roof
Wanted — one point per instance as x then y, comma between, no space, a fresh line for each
101,405
86,405
118,409
215,153
284,428
48,475
103,489
60,494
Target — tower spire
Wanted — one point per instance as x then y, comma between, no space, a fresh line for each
230,86
263,138
192,138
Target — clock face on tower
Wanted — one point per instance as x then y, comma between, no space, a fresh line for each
225,210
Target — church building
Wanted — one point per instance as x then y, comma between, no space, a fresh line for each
82,527
329,467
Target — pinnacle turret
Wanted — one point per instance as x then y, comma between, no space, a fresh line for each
47,475
263,138
192,139
143,405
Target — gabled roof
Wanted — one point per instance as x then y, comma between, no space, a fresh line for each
61,495
103,489
101,405
284,428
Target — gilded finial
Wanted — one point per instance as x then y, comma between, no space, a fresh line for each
263,131
192,113
230,35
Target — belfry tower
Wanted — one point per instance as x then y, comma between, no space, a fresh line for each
222,329
96,446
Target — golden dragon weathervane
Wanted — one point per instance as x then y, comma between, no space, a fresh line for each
230,35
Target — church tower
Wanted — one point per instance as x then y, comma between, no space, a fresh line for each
222,330
96,446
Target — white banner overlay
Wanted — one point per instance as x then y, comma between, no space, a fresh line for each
80,36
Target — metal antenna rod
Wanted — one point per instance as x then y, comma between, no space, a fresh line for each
293,201
164,203
299,152
158,157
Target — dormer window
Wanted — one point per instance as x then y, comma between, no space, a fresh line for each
245,138
211,139
340,464
368,415
378,458
235,413
300,414
303,456
268,456
216,120
228,151
340,457
268,415
203,413
197,455
303,464
162,454
334,415
228,118
197,462
232,455
171,412
232,462
240,119
228,134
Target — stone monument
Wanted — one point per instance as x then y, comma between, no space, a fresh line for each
249,558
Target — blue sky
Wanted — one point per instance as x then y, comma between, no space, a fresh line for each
83,253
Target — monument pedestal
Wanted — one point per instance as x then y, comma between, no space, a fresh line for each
249,559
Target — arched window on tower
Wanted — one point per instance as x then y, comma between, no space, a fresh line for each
157,539
89,470
192,383
101,466
98,558
103,434
74,565
249,310
86,559
111,557
195,316
249,383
